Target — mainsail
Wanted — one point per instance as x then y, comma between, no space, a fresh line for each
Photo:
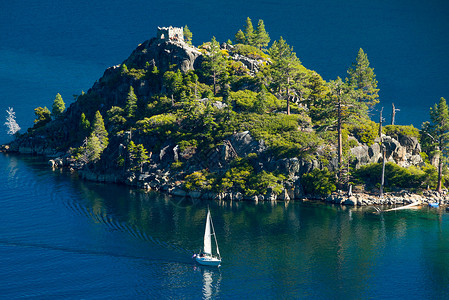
207,235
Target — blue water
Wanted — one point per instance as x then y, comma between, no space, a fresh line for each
65,238
63,46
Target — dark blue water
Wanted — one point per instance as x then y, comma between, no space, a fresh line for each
63,46
62,237
65,238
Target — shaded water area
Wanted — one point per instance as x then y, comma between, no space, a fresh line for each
64,237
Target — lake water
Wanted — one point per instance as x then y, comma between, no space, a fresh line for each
65,238
62,237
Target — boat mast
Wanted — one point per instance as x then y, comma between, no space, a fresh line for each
215,237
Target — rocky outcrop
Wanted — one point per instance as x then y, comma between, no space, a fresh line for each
164,54
404,152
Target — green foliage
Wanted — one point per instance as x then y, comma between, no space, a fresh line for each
156,123
138,156
187,35
260,182
239,37
250,51
285,69
136,73
365,132
397,130
58,106
214,63
244,99
363,80
199,180
261,38
84,126
319,182
396,176
131,103
173,83
43,116
249,32
93,148
115,115
99,130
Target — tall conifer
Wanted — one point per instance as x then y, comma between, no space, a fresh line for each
99,130
262,38
58,106
363,80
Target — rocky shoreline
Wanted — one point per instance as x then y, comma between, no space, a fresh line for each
167,182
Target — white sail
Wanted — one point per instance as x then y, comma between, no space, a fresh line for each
207,239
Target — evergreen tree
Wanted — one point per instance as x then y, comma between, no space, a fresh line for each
285,67
239,37
173,83
84,126
214,62
187,35
43,116
261,37
138,155
439,132
58,106
141,156
131,103
249,32
99,130
363,80
93,148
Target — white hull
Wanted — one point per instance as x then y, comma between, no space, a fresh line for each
208,261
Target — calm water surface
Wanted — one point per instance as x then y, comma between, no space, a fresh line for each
62,237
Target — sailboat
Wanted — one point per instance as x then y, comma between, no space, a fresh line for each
205,256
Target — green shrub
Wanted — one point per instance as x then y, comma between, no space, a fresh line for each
250,51
319,182
397,177
396,130
156,122
199,180
365,132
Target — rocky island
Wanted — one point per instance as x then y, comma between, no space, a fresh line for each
237,121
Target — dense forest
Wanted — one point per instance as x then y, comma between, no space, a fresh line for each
142,108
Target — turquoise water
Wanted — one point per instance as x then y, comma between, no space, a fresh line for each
62,237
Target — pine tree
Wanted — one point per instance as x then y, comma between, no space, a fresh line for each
93,148
285,67
173,83
84,126
131,103
43,116
363,80
439,131
262,38
239,37
188,35
58,106
214,62
249,32
99,130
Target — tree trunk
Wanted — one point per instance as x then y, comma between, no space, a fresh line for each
440,173
288,98
340,147
215,91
